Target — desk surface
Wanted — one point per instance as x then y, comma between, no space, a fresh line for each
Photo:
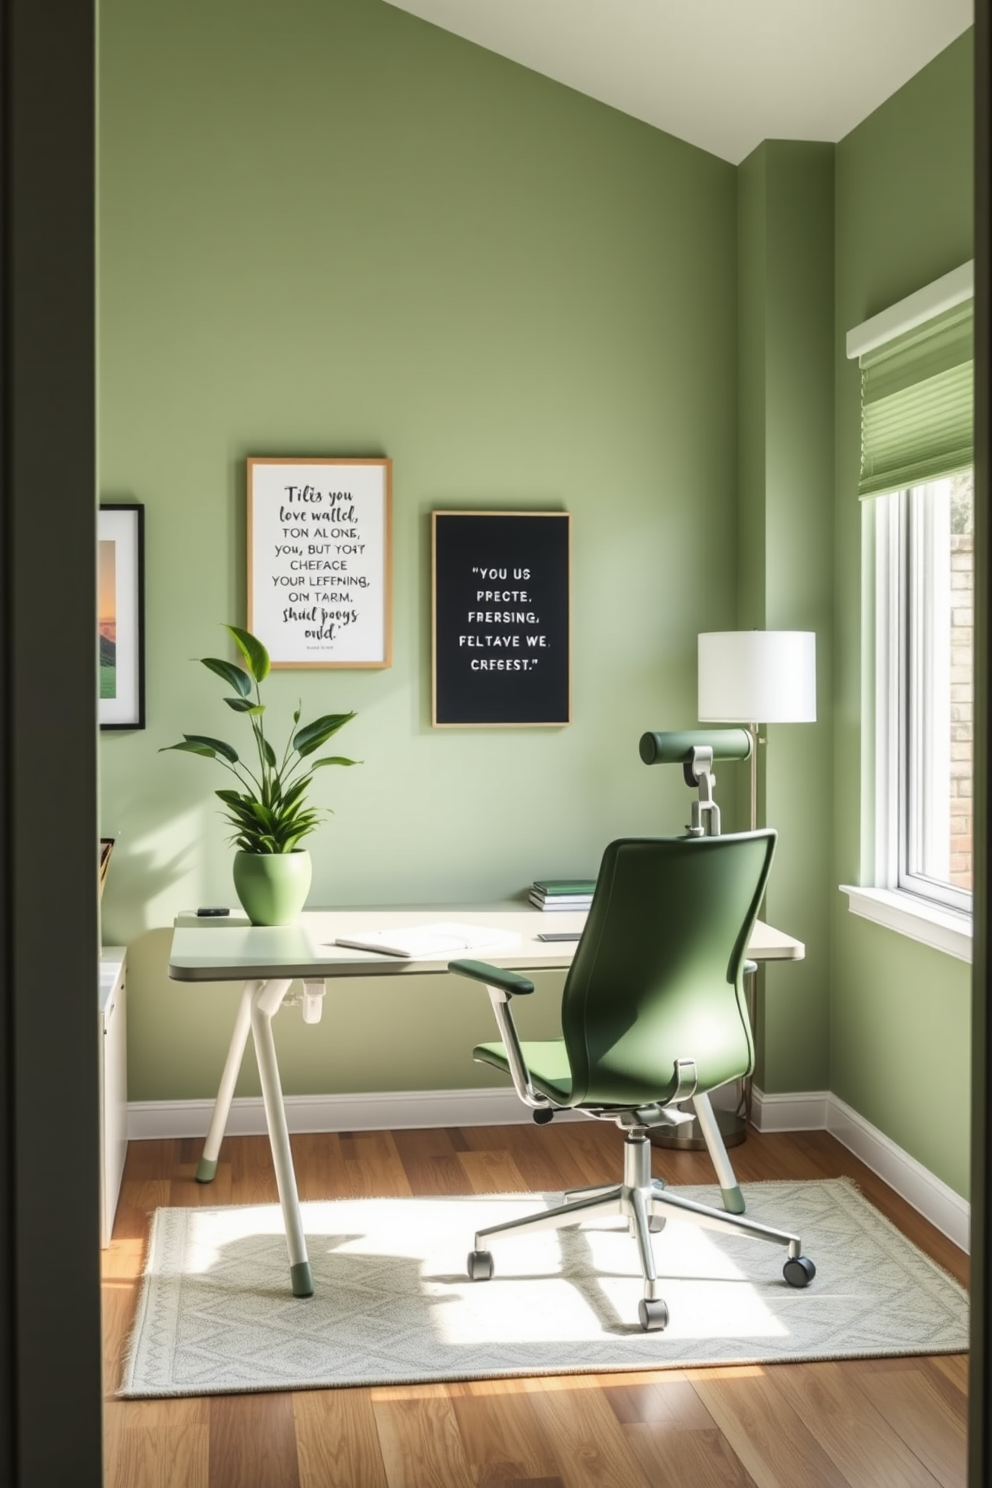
205,951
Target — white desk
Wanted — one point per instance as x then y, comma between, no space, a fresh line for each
268,959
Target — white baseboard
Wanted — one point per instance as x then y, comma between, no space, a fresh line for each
804,1111
389,1111
822,1111
929,1196
816,1110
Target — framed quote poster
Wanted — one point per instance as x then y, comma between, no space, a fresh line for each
120,615
319,561
501,618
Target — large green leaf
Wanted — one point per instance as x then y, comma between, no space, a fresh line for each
187,748
217,745
317,733
252,650
332,759
232,675
294,792
238,802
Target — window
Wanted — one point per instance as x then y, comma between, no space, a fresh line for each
924,689
917,491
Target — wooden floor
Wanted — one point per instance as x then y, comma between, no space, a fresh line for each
892,1423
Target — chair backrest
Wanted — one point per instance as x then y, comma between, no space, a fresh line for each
658,973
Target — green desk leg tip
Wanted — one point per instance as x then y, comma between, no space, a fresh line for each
733,1200
302,1279
206,1168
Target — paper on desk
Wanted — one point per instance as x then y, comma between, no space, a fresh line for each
428,942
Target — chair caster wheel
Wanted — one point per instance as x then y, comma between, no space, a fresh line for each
653,1313
656,1223
799,1271
480,1265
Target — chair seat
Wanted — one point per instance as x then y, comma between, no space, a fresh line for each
546,1061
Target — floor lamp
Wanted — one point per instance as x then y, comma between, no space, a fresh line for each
754,677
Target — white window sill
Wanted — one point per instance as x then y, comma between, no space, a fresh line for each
945,929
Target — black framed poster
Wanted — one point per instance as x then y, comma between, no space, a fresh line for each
501,618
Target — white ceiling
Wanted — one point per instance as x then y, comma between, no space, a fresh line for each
722,74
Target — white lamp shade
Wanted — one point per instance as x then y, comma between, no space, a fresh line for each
757,676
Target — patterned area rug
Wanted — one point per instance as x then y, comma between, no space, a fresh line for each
392,1303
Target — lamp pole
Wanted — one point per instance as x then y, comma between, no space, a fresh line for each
752,729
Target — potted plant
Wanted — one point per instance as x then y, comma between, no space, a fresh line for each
269,810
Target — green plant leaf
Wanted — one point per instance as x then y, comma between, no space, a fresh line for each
252,650
216,745
333,759
245,705
232,675
238,803
295,792
317,733
187,748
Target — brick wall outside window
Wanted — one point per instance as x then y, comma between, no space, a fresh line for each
962,706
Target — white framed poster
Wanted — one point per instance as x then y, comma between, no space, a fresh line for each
319,560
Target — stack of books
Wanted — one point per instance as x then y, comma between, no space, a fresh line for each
562,893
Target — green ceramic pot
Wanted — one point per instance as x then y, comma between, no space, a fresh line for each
272,887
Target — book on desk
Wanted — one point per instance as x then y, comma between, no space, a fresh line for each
562,894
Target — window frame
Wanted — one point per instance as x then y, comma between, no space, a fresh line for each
909,596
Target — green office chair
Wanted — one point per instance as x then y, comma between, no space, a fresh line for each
653,1013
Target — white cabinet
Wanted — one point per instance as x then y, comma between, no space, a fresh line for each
113,1083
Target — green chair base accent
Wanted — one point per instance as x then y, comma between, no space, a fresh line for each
302,1279
733,1200
206,1169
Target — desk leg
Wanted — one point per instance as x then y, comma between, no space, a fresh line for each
222,1105
267,1001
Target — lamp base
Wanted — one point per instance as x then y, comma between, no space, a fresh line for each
689,1137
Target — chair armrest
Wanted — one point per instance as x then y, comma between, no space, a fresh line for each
502,985
509,982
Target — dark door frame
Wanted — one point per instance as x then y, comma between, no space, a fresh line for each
50,1346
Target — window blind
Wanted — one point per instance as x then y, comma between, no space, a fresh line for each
917,404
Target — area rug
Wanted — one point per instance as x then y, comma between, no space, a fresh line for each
393,1304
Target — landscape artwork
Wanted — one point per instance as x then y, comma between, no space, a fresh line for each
120,612
107,617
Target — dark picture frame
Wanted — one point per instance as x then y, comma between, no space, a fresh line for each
501,643
120,615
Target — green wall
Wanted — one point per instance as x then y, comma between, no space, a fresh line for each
326,227
785,277
900,1017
